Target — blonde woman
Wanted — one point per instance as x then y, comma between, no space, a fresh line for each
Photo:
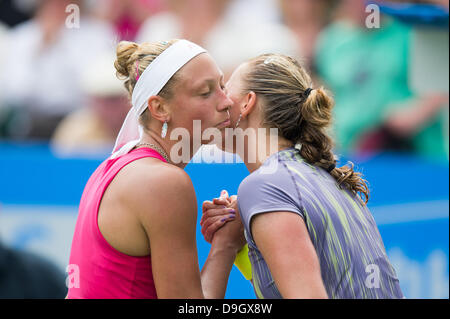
308,229
135,233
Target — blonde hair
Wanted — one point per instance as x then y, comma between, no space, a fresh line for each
133,59
301,114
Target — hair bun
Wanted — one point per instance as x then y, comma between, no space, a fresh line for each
124,52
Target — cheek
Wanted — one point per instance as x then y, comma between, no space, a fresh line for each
204,108
234,110
199,110
208,116
193,110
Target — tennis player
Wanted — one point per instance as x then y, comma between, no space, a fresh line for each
308,229
135,233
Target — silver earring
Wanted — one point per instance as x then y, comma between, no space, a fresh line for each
164,130
239,120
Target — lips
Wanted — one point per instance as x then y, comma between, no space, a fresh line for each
225,123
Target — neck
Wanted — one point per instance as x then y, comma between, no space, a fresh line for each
167,144
257,150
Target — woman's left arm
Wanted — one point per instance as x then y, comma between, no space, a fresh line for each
283,239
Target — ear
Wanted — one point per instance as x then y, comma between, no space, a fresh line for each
248,104
158,108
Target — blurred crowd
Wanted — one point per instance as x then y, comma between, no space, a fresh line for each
58,84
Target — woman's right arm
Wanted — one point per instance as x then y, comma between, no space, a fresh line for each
284,242
167,208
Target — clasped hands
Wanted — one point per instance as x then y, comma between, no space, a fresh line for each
221,221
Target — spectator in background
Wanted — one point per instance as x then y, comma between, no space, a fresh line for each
126,15
40,78
25,275
226,28
253,11
443,3
92,130
3,46
367,69
13,12
306,19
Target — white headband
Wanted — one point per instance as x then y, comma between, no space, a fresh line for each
150,83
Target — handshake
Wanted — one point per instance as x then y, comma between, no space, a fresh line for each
222,225
220,217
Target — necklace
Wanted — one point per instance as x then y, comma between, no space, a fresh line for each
156,148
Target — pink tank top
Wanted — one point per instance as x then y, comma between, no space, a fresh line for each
99,270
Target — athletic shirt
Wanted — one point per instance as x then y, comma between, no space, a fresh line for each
98,269
353,260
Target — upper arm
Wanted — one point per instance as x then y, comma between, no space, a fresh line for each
283,239
168,213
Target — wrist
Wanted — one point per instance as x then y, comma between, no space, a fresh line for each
225,246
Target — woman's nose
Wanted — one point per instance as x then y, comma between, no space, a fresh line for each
227,103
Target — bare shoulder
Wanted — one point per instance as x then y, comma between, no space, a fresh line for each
154,187
156,175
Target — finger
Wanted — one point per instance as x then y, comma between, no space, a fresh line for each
210,205
209,221
211,230
207,239
221,201
216,213
213,227
233,201
207,205
211,213
214,210
224,194
221,211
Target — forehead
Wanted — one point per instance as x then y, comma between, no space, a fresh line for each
200,69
